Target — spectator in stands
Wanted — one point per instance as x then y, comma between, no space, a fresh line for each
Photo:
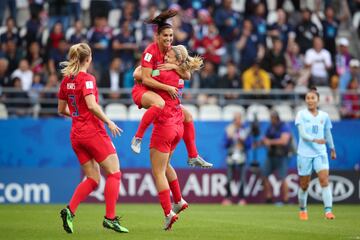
231,80
55,36
259,21
112,79
278,142
228,22
58,13
49,96
236,143
211,46
279,78
36,88
18,100
12,9
249,46
182,27
306,31
79,35
295,65
99,9
13,54
208,76
281,29
256,78
35,59
34,27
330,28
318,60
351,100
4,76
343,56
10,34
56,56
352,74
99,37
124,46
274,56
24,74
129,14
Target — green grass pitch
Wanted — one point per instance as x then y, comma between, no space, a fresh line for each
206,222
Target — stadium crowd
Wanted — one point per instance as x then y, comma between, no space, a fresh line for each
250,45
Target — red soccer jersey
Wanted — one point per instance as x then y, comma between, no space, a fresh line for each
73,90
152,57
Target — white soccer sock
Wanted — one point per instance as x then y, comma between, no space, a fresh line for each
327,198
302,196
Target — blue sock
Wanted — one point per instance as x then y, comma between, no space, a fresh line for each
302,196
327,198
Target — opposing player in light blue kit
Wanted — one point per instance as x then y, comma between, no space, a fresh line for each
314,128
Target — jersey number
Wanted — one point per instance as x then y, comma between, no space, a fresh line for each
73,103
315,129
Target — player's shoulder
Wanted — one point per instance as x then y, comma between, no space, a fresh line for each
151,47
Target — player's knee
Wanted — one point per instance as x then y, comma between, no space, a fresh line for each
188,117
324,182
159,104
304,185
95,177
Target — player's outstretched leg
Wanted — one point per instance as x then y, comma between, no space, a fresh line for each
67,217
198,161
169,220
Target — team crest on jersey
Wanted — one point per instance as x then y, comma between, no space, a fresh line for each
89,85
70,86
147,57
181,81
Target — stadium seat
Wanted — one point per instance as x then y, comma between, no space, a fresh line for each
229,111
261,111
116,111
285,112
3,111
332,110
193,110
134,113
326,95
210,112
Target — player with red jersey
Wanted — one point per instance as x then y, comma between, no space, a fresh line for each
168,131
143,96
78,99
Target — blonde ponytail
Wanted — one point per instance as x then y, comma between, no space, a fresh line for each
77,55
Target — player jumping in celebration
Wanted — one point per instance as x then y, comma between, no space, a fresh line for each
167,132
144,97
78,99
314,128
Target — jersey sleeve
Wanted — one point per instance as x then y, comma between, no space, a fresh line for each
61,93
298,119
89,86
328,124
148,58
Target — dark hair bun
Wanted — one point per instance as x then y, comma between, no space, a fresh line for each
162,17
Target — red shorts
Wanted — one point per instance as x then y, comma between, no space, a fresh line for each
137,92
98,147
165,138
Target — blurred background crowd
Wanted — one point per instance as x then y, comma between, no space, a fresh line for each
263,49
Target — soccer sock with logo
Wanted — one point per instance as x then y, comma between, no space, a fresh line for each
81,192
302,196
189,139
175,190
164,197
111,193
149,116
327,198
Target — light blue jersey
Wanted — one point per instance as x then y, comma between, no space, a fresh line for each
314,126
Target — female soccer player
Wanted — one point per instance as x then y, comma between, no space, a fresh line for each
167,132
152,62
78,99
314,130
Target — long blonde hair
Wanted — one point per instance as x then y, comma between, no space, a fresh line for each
188,63
77,55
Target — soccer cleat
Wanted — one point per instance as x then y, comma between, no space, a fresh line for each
180,206
170,219
67,217
136,144
114,224
329,216
199,162
303,215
